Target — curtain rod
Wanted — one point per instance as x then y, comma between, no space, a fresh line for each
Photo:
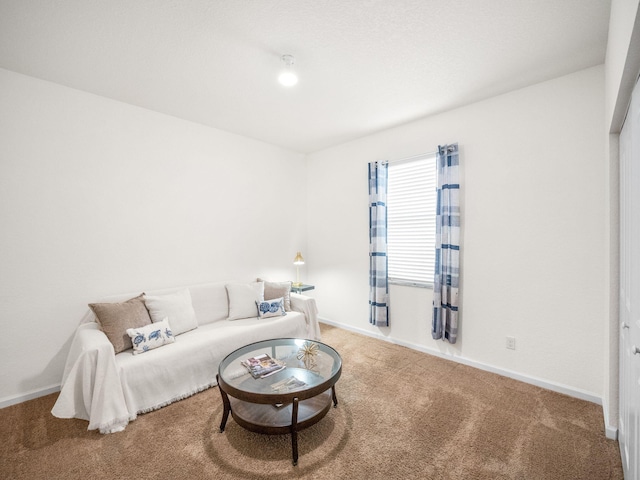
412,157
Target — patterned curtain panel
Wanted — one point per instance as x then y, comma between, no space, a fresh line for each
378,280
447,265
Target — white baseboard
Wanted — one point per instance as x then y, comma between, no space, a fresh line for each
555,387
8,401
610,431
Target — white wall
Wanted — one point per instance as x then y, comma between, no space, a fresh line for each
99,197
533,251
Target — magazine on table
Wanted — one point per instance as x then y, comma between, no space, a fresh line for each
262,366
288,385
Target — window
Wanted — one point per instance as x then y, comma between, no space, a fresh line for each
411,220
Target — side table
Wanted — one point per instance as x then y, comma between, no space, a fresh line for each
302,288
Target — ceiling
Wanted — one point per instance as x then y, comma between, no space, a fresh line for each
364,65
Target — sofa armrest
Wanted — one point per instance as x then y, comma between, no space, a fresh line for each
307,305
91,388
88,337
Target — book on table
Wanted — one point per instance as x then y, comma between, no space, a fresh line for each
262,366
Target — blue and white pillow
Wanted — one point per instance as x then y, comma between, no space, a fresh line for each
150,336
271,308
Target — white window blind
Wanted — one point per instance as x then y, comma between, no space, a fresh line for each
411,224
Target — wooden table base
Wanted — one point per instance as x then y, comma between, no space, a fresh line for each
277,420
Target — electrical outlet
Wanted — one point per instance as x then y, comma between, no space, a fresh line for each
511,343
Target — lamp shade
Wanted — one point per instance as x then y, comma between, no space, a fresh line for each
298,260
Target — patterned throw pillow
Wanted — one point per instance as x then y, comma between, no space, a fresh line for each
274,290
150,336
271,308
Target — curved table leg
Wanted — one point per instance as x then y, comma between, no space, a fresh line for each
335,399
227,406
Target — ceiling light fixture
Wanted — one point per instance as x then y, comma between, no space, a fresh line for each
288,77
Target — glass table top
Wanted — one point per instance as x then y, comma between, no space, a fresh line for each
321,364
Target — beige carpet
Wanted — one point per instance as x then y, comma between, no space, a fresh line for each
402,414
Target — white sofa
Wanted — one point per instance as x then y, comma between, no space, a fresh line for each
110,390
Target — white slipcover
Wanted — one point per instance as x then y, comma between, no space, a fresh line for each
111,390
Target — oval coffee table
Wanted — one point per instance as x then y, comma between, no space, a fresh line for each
286,401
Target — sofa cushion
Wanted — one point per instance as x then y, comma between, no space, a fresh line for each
176,307
273,290
116,317
210,302
271,308
150,336
243,298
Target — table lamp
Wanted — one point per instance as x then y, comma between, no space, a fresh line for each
297,262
